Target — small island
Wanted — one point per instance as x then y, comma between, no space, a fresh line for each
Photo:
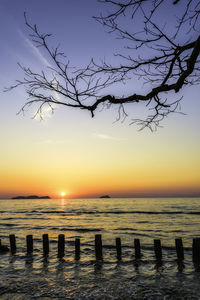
105,196
31,197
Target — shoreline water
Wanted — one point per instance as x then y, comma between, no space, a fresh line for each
35,277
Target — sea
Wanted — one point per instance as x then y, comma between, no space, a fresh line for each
34,276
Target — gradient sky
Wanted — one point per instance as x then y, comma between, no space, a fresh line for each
70,152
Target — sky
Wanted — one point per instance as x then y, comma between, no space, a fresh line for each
69,152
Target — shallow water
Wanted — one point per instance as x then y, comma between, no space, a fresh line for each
34,277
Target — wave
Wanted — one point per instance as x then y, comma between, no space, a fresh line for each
21,218
65,213
95,212
77,229
8,225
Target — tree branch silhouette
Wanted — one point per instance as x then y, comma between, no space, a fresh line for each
167,61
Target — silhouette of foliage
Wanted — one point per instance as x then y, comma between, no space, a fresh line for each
165,59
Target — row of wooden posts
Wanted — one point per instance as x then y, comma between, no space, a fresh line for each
98,247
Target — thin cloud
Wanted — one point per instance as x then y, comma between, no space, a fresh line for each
106,137
47,111
54,85
34,49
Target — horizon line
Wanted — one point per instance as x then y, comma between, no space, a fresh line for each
111,197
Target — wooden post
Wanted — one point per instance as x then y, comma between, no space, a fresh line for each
98,247
45,239
77,249
12,243
196,250
29,243
61,245
158,250
179,249
118,248
137,249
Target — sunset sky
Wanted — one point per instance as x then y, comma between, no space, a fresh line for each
69,152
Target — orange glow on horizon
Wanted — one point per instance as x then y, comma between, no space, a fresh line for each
143,166
94,186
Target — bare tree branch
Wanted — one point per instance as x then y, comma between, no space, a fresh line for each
167,61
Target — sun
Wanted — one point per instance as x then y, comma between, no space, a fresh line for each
62,194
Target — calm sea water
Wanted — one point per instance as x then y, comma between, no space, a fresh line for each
33,277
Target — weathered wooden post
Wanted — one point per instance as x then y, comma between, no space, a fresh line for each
12,243
196,250
45,239
118,248
29,243
98,247
137,249
179,250
77,249
158,250
61,245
